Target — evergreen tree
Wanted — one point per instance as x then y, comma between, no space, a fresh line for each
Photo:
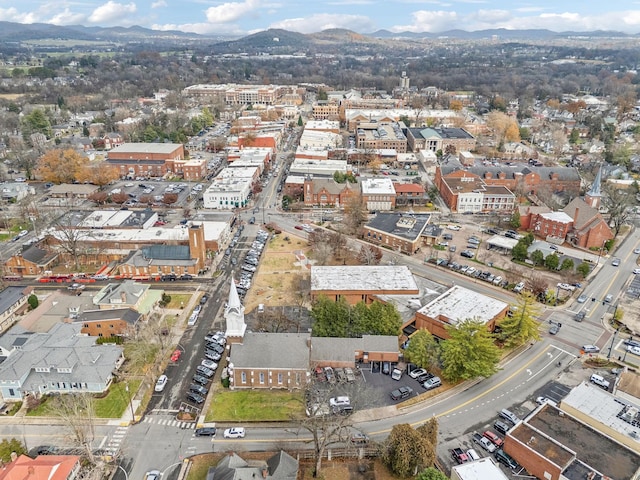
522,326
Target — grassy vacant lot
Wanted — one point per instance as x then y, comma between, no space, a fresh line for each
112,405
275,281
261,406
178,300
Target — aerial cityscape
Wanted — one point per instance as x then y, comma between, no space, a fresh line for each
244,241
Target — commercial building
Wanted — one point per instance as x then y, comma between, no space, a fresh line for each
374,136
439,138
453,307
592,435
401,232
378,194
133,160
361,283
328,192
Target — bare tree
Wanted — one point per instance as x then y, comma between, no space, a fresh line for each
370,255
71,240
78,415
322,253
617,203
274,321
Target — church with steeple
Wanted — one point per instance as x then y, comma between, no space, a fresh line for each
234,316
593,197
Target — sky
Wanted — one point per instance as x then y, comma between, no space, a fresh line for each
241,17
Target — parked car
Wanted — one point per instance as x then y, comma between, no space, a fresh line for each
484,442
199,389
234,432
415,373
501,427
359,439
590,349
209,364
194,397
207,372
467,253
204,299
459,456
509,416
351,377
331,377
161,383
432,383
175,356
200,379
506,459
493,438
402,392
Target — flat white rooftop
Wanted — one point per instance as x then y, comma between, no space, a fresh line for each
483,469
146,148
605,409
378,186
459,303
363,277
559,217
152,235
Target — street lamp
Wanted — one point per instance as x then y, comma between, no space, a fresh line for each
600,252
613,339
126,475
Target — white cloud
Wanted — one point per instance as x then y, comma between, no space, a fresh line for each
231,11
441,20
12,15
430,21
202,28
323,21
159,4
111,12
66,17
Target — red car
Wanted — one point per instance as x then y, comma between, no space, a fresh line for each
493,438
175,356
159,223
298,227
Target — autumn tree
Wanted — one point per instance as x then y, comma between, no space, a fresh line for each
504,127
119,197
522,325
169,198
406,451
61,166
98,174
100,197
469,352
423,350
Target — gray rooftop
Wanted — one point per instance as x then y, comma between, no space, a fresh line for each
151,148
407,226
272,350
369,278
126,314
9,297
127,292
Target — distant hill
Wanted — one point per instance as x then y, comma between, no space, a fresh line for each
265,41
501,33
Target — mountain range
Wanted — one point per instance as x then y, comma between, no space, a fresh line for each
11,32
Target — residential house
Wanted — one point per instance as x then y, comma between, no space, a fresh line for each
13,300
128,294
72,190
280,466
49,467
59,361
112,140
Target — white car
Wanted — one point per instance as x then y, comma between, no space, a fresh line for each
339,401
566,286
543,400
161,383
209,364
636,271
633,349
455,228
235,432
636,251
417,372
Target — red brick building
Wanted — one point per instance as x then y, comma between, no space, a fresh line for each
410,194
326,191
147,159
589,229
521,180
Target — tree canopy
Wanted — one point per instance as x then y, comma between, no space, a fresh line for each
469,352
61,166
339,319
407,450
522,325
9,446
423,350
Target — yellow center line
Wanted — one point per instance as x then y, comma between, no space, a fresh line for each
474,399
613,279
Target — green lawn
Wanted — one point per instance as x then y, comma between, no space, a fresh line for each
178,300
255,406
112,405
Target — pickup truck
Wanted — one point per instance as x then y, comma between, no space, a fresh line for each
459,455
484,442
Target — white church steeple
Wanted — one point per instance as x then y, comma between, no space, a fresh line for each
234,315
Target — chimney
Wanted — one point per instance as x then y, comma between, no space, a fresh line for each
14,456
575,217
123,297
265,472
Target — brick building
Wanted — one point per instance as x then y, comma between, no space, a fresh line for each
326,191
378,194
589,228
522,180
463,191
361,283
324,110
377,136
454,306
400,232
410,194
152,160
108,323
